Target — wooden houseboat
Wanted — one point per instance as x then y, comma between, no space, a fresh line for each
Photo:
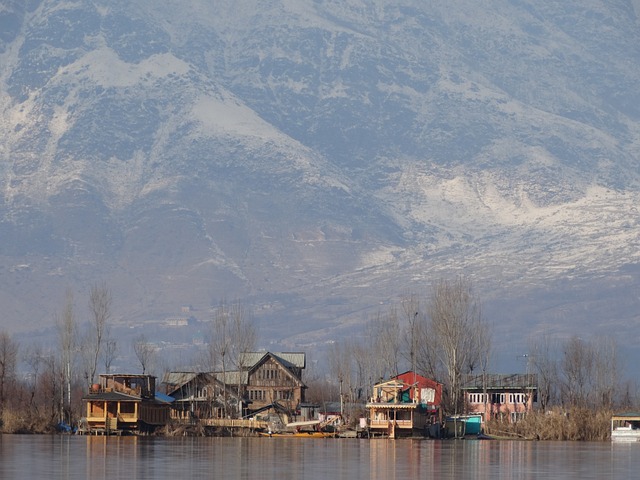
125,403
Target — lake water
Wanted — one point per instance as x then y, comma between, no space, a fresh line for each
71,457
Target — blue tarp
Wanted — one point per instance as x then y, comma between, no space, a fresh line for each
164,398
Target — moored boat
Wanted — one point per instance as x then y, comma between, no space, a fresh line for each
625,427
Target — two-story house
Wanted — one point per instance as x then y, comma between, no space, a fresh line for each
404,405
199,396
274,378
494,395
265,381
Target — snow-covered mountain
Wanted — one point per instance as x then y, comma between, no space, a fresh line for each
318,159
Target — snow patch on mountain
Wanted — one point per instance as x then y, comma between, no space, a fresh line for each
103,67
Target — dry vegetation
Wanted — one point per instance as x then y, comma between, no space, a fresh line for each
576,424
16,421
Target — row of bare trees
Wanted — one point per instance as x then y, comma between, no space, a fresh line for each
56,376
578,372
443,335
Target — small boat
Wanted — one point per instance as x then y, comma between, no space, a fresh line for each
625,427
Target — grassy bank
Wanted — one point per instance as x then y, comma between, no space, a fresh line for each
19,422
576,424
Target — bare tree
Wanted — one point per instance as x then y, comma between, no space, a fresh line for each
67,332
340,368
221,345
589,370
244,337
545,364
410,307
426,353
363,363
33,358
145,352
370,341
387,334
109,352
100,311
606,371
53,388
8,361
577,371
455,320
484,344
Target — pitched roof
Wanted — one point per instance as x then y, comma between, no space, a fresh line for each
178,379
232,377
249,360
288,359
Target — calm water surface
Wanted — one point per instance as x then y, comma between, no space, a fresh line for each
71,457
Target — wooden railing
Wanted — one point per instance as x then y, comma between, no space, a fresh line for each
233,423
386,423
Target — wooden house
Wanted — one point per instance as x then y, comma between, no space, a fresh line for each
404,405
199,396
266,382
508,396
274,378
125,403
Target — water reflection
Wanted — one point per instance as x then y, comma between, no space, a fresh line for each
68,457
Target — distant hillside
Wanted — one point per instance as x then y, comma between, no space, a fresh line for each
319,159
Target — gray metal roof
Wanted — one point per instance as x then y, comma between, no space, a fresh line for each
288,359
494,381
178,378
233,377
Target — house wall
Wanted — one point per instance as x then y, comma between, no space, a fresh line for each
511,403
153,414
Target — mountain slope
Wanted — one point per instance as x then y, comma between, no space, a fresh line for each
318,159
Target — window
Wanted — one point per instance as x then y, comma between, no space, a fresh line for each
517,416
497,398
516,398
476,398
